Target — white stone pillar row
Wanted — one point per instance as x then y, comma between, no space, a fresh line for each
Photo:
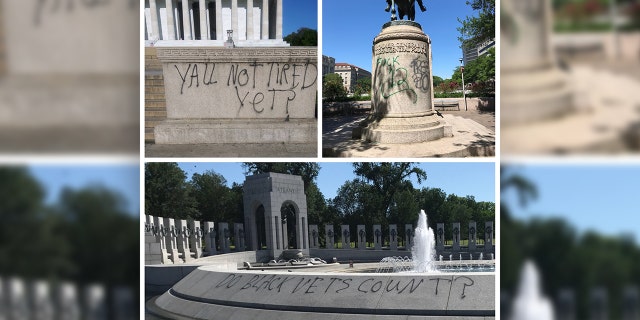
219,32
186,19
234,19
155,29
265,19
204,30
171,35
183,234
249,19
279,19
172,240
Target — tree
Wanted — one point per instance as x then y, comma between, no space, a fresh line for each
481,69
215,201
475,30
333,87
308,170
437,80
363,86
303,37
167,194
387,179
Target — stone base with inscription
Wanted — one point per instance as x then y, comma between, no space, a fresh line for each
402,88
209,293
239,95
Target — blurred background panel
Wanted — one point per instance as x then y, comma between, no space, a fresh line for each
570,241
570,76
69,76
69,241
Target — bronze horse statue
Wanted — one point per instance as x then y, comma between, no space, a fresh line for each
405,8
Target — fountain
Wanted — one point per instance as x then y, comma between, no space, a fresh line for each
423,251
529,303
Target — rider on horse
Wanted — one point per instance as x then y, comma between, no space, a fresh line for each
422,7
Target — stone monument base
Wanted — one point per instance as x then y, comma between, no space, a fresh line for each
406,130
176,131
534,96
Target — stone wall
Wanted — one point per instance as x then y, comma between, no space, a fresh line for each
155,105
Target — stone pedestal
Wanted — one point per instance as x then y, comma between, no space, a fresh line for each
439,237
393,237
240,95
532,86
329,237
209,234
313,240
346,237
403,88
362,237
455,230
377,237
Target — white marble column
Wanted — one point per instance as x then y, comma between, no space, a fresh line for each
265,19
170,21
234,19
219,31
186,19
204,31
249,19
155,30
279,19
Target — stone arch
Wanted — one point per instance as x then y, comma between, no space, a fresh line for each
275,191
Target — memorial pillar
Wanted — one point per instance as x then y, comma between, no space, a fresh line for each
219,27
279,19
209,238
186,19
456,236
393,237
249,19
362,237
313,239
170,21
377,237
234,19
328,232
155,31
265,19
408,236
171,239
440,238
346,237
204,30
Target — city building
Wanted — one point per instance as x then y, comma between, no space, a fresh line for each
350,75
470,52
328,65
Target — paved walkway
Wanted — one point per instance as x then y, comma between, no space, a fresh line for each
233,150
474,135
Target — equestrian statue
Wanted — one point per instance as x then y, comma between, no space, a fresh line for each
405,8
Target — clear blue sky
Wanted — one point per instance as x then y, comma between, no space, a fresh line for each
122,178
601,197
297,14
348,29
460,178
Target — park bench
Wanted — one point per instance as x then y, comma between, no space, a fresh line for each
440,103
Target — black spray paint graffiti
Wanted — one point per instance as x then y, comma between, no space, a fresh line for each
421,75
280,85
56,6
394,78
277,283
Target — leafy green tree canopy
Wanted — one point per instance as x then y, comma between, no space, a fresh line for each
333,87
475,30
303,37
